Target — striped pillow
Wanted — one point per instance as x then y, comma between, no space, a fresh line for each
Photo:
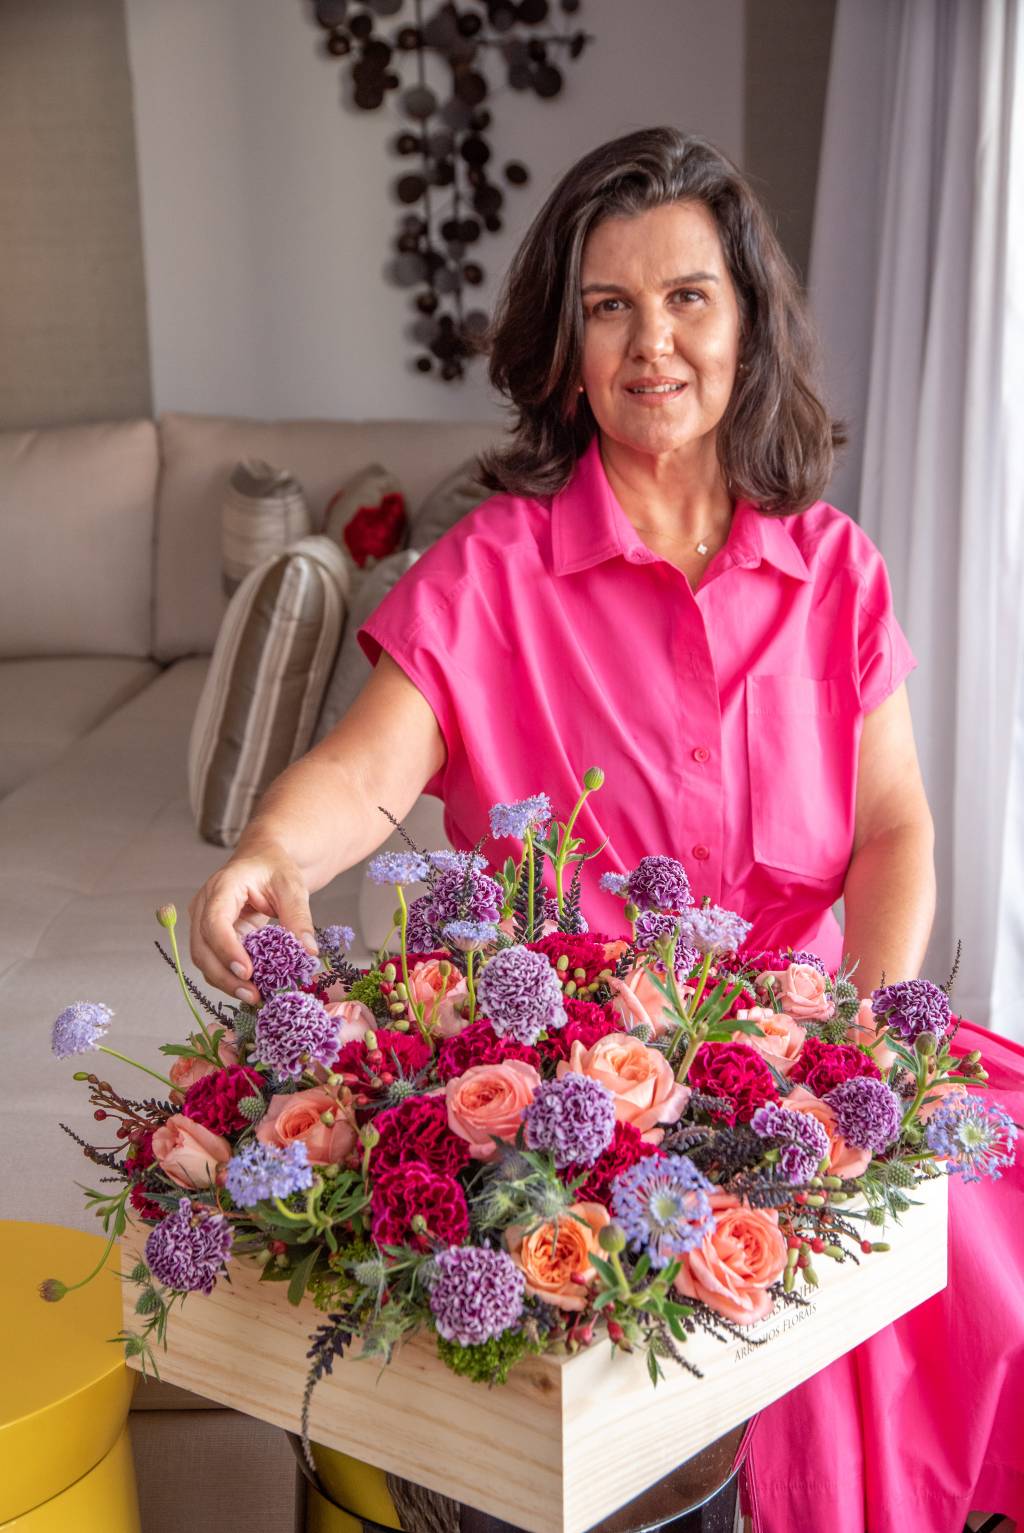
271,664
264,512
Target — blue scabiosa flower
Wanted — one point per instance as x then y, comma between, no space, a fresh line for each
265,1171
661,1204
711,929
614,883
397,868
977,1138
912,1007
447,861
79,1028
467,936
186,1253
464,894
334,941
867,1112
279,961
659,883
475,1294
293,1031
800,1139
519,993
516,819
573,1118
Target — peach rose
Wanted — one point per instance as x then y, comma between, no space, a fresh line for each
802,991
489,1100
441,997
508,925
189,1153
356,1020
299,1116
638,999
780,1039
184,1072
866,1032
641,1080
556,1265
732,1268
845,1160
614,950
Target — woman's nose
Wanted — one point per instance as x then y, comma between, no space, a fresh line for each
651,332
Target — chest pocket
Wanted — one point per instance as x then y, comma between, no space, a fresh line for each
802,740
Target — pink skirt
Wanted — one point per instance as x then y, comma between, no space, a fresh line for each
924,1423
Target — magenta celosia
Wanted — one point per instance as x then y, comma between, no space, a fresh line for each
738,1075
213,1099
821,1066
479,1044
417,1129
415,1206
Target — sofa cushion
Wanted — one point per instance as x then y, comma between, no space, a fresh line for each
76,508
48,704
264,510
198,454
448,502
352,670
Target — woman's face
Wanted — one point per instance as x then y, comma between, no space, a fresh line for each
661,314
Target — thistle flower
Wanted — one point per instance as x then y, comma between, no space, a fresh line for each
293,1030
867,1112
519,993
659,883
264,1171
186,1251
517,818
397,868
800,1139
911,1007
573,1118
711,929
661,1205
977,1138
467,936
79,1028
476,1294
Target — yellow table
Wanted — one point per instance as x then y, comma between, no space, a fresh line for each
65,1459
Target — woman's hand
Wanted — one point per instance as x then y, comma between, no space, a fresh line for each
249,891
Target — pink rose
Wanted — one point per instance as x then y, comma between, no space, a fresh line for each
508,926
732,1268
638,999
803,992
356,1020
441,996
556,1264
299,1116
184,1072
845,1160
866,1032
189,1153
490,1100
640,1078
780,1039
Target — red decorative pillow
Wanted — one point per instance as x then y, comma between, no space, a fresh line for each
367,518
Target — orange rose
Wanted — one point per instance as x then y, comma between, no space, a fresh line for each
489,1100
185,1071
640,1079
299,1116
440,996
866,1032
189,1153
732,1268
780,1039
556,1265
638,999
802,990
845,1160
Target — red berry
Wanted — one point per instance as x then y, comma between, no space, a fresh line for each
817,1244
386,1078
800,1197
865,1245
278,1247
794,1242
615,1330
99,1115
803,1261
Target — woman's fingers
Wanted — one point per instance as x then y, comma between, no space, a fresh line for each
291,903
216,947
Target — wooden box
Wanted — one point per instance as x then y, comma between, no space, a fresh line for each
567,1440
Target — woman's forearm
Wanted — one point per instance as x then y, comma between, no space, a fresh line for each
889,902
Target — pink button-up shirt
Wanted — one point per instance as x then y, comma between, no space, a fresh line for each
548,638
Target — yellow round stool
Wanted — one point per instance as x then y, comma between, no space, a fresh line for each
349,1494
65,1459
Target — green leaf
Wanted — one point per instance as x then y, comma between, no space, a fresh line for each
653,1367
301,1275
642,1268
184,1050
606,1270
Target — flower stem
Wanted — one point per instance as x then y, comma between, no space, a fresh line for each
66,1288
126,1061
214,1057
417,1008
691,1053
530,933
563,842
470,987
701,982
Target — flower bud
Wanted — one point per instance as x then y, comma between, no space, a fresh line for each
327,1118
925,1044
571,988
167,916
370,1039
52,1289
369,1136
615,1332
593,778
973,1058
579,974
80,1075
400,1025
402,990
444,968
389,973
810,1277
632,911
418,1224
611,1239
562,964
880,1245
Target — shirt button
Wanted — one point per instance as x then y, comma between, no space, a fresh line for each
701,853
701,753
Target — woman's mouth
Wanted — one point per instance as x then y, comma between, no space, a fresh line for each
654,393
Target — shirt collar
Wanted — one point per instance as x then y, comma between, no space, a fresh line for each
588,527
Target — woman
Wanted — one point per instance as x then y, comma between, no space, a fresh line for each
657,589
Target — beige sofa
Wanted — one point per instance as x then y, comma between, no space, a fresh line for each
110,603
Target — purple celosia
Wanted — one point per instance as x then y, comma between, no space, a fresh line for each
661,1204
397,868
267,1171
523,815
465,894
79,1028
801,1140
293,1031
867,1112
713,930
573,1118
614,883
475,1294
977,1138
279,961
420,935
659,883
912,1007
518,991
468,935
186,1253
805,956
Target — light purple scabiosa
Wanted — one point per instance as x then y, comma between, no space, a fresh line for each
186,1253
267,1171
867,1112
397,868
294,1030
977,1138
464,894
912,1007
519,993
614,883
516,819
800,1139
335,941
661,1204
467,936
659,883
711,929
79,1028
475,1294
279,961
420,935
448,861
573,1118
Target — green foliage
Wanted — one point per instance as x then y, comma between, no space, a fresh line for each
490,1362
367,989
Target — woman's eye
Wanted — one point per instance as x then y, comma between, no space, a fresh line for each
689,292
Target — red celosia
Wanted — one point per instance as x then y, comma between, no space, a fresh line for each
737,1073
417,1129
479,1044
820,1065
626,1148
144,1205
587,1023
583,952
412,1191
371,1071
213,1099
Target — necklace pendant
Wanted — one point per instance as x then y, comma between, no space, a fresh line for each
702,548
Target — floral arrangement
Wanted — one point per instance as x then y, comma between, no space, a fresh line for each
520,1135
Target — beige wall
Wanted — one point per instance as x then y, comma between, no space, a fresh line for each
72,302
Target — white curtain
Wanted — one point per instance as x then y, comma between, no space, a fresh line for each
917,286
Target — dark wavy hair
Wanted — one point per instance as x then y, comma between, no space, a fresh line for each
776,440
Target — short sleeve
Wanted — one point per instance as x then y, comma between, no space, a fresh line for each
884,656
